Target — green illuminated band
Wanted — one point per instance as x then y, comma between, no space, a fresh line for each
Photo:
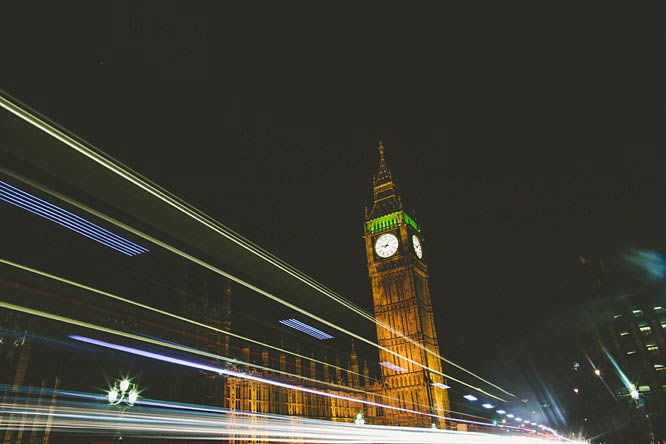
390,221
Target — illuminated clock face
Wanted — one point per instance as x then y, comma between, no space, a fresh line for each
386,245
417,246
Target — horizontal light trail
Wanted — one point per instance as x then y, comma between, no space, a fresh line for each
86,418
185,348
215,356
305,328
234,278
224,371
42,208
126,173
168,314
175,346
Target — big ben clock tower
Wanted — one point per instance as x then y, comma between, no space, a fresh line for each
398,272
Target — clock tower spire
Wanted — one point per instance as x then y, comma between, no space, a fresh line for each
386,197
402,306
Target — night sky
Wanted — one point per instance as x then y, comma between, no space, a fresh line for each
520,136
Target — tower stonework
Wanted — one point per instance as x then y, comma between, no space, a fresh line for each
402,306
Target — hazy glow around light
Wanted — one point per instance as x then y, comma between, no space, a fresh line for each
487,405
501,412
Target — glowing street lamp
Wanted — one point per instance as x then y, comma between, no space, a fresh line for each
597,372
359,420
123,391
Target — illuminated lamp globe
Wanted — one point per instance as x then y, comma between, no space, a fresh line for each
132,397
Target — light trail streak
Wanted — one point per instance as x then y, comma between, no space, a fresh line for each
305,328
224,358
42,208
181,347
84,418
165,313
234,278
172,345
126,173
223,371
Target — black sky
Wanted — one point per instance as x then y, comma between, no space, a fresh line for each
520,135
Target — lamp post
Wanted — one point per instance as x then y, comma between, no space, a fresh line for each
123,391
126,391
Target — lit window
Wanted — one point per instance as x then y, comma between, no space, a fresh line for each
643,388
637,313
663,325
624,333
617,316
631,352
659,367
644,328
659,309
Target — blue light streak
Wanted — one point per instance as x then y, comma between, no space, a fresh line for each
305,328
392,366
42,208
63,222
